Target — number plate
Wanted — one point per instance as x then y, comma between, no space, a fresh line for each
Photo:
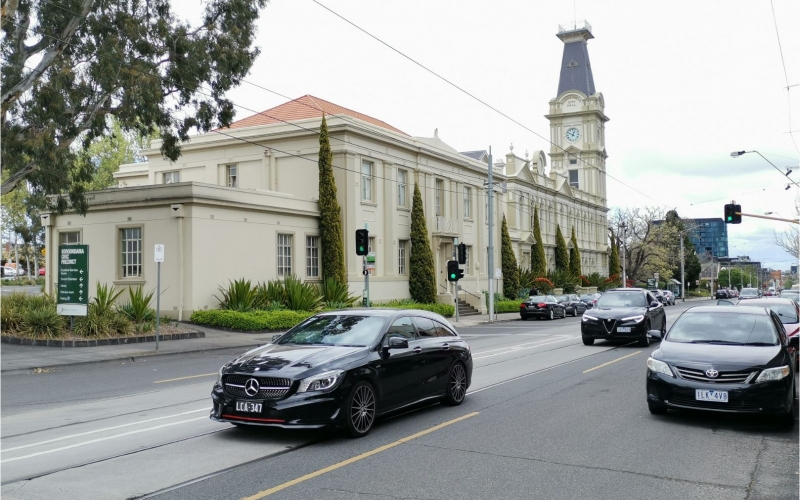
248,407
708,395
624,329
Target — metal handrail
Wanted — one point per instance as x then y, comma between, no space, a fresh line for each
467,291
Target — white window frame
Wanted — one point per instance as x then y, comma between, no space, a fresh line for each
62,234
312,256
232,175
172,177
402,188
402,257
283,259
130,253
367,180
467,202
438,195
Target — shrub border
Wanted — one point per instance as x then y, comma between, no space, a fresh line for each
139,339
238,330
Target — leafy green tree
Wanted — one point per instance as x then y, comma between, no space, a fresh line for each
330,219
508,263
613,260
575,256
562,255
538,259
106,153
70,64
422,276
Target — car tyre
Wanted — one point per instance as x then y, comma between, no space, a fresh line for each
574,312
587,340
360,410
656,408
456,385
644,340
523,318
551,315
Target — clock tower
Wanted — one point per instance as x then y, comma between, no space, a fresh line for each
577,117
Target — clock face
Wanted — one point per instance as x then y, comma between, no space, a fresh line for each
573,134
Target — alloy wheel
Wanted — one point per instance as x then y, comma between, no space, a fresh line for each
551,314
458,383
362,409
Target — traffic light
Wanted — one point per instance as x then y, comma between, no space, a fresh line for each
462,253
460,274
452,270
362,242
733,214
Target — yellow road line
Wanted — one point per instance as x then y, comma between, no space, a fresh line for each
612,361
330,468
184,378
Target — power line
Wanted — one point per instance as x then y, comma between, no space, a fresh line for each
785,74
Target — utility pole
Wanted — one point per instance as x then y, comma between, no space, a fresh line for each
490,271
624,273
683,277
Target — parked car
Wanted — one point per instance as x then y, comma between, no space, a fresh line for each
791,294
624,314
749,293
659,296
725,359
572,304
10,272
542,306
590,299
670,297
722,293
345,369
42,271
733,292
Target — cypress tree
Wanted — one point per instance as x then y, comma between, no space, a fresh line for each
538,259
613,261
575,257
562,255
509,264
422,277
330,219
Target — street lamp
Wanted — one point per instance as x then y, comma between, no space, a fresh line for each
736,154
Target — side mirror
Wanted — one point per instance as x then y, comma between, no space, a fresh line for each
398,343
794,342
276,337
656,334
655,303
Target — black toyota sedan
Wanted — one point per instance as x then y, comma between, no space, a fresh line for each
724,359
624,314
542,306
345,369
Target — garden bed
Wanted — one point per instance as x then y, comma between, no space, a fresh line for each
69,340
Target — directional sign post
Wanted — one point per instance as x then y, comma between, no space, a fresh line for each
159,258
73,280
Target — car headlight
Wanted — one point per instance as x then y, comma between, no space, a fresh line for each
635,319
771,374
586,317
219,375
659,367
323,382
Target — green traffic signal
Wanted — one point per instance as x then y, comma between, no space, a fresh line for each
452,276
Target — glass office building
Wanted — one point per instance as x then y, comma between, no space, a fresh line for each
709,236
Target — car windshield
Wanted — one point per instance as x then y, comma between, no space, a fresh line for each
538,298
749,292
587,297
342,330
621,299
786,312
723,328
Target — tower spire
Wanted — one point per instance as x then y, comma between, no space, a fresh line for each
576,70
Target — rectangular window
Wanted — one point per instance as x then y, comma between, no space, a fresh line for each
573,162
172,177
366,181
232,176
466,264
312,256
467,202
131,252
402,180
402,247
438,196
284,255
69,238
573,178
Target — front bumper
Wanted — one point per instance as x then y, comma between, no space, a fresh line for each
764,397
600,329
311,410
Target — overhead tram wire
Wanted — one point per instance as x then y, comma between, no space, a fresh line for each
136,70
496,110
785,75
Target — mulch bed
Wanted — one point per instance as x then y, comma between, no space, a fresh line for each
69,340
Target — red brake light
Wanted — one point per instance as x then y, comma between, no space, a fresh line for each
542,304
522,306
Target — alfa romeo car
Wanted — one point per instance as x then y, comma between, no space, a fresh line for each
624,314
344,369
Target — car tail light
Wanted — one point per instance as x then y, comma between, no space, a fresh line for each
542,304
522,306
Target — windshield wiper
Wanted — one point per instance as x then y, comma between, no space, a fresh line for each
725,342
760,343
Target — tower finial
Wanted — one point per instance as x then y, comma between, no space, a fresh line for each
436,132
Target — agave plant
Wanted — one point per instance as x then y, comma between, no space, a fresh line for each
105,299
334,292
564,279
301,296
268,294
239,296
138,309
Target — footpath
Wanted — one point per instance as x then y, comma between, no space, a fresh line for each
15,358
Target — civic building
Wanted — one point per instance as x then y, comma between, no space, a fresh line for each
242,202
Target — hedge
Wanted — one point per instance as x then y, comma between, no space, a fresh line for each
507,306
255,320
446,310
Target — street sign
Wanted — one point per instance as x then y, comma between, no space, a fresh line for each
159,252
73,279
651,283
371,261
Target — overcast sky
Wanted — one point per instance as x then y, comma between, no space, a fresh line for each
685,83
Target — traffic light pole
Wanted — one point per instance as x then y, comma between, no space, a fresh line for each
366,272
490,271
683,276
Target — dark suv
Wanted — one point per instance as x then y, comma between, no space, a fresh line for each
624,314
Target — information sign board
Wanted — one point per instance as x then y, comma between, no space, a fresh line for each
73,279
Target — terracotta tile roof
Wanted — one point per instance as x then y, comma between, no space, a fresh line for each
306,107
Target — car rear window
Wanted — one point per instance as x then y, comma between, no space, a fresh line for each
538,298
710,327
786,312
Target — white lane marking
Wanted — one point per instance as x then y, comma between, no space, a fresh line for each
514,349
5,450
92,441
523,344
